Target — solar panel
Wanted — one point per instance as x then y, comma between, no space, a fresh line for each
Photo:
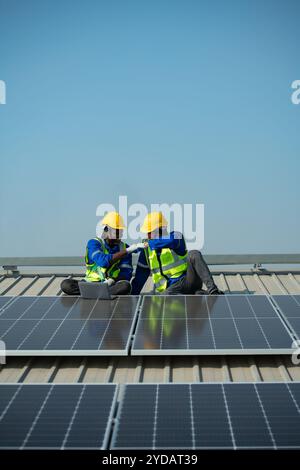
208,416
289,306
233,324
3,301
57,416
68,325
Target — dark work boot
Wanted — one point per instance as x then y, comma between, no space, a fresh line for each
215,291
200,267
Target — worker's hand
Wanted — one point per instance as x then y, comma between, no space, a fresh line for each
109,281
135,247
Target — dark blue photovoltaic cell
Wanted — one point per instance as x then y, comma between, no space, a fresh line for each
17,333
225,334
39,324
282,414
17,421
200,332
208,416
239,306
251,334
294,388
290,309
40,335
55,416
17,308
137,417
6,394
174,336
3,301
49,308
91,335
211,424
246,416
66,335
261,306
288,305
173,424
277,336
90,422
217,307
5,326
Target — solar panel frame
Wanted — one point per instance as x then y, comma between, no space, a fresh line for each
232,433
33,324
187,351
52,386
288,319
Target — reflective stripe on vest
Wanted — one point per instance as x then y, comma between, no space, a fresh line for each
95,273
172,266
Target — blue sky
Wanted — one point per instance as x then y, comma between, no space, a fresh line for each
163,101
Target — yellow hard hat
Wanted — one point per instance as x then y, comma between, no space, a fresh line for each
113,220
153,221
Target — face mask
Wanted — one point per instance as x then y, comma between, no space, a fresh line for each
114,234
155,234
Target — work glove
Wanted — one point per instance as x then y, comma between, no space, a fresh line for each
135,247
109,281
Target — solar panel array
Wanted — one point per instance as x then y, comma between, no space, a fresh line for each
208,416
56,416
289,306
160,416
233,324
67,326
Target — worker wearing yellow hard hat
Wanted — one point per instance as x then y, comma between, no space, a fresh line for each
174,269
108,259
153,221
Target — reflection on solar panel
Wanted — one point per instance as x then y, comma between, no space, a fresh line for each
56,416
234,324
67,326
289,306
208,416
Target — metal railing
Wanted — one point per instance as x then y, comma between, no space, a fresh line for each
257,260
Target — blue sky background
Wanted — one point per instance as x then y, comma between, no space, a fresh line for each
164,101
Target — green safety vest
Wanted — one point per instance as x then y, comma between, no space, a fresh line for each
95,273
172,266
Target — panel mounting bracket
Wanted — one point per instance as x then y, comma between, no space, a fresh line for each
258,268
11,270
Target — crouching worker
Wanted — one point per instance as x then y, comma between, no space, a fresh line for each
108,259
174,270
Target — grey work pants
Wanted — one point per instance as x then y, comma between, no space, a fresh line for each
197,274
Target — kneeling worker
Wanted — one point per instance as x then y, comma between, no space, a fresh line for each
107,259
174,270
